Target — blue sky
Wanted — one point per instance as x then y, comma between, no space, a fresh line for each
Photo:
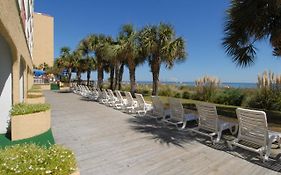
200,22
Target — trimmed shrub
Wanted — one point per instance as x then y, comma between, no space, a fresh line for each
186,95
23,108
265,99
229,97
165,91
178,95
144,90
31,159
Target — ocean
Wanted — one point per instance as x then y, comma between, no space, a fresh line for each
224,84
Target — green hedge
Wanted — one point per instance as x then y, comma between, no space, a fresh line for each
31,159
23,108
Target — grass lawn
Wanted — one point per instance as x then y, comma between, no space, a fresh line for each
44,139
227,111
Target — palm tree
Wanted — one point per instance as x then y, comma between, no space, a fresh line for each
118,62
160,45
98,44
85,46
249,21
129,49
78,64
66,61
110,62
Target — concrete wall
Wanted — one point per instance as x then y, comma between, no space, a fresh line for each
14,42
43,50
12,30
5,83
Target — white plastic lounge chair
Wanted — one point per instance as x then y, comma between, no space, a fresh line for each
158,109
177,115
130,103
87,92
253,134
74,88
120,103
82,90
79,89
112,99
209,123
100,95
94,94
103,98
142,107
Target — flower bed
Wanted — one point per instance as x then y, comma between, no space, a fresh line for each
29,120
31,159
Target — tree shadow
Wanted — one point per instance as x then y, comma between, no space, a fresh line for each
86,99
159,132
273,163
64,91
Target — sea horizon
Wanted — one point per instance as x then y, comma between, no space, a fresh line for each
189,83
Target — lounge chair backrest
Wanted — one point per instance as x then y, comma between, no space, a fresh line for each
111,94
176,108
99,91
252,126
208,117
140,101
105,95
158,106
119,96
130,100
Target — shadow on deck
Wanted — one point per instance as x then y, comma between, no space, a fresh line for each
159,132
170,135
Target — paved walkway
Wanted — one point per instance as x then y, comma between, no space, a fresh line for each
107,141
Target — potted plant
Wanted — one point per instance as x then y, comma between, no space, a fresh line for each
28,120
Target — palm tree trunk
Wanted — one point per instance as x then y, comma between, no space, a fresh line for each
155,69
100,74
111,77
132,70
121,71
116,70
69,75
88,77
78,74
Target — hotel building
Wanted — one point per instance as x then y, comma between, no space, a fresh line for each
16,54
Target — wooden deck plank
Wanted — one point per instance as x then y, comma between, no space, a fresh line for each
107,141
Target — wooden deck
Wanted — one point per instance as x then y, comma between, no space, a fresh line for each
107,141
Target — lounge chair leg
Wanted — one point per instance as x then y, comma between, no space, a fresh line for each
183,125
262,156
233,132
212,140
218,137
279,142
229,144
